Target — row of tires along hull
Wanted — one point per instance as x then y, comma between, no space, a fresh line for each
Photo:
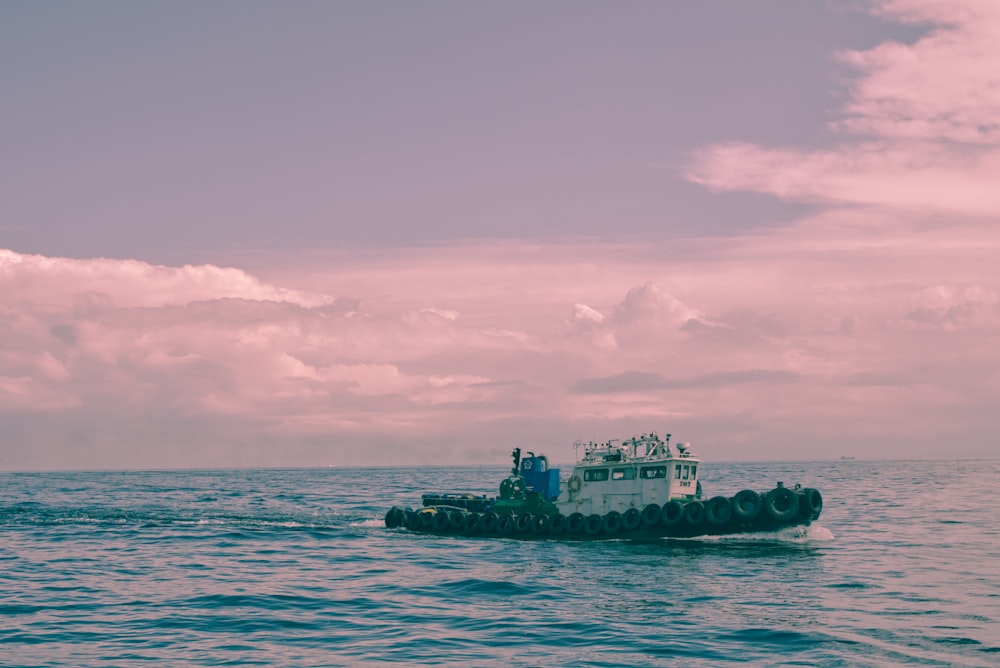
746,511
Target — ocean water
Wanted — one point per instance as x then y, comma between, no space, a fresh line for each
295,568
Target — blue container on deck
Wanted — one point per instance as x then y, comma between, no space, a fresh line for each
538,477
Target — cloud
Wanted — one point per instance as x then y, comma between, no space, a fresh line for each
123,339
922,125
633,381
952,307
939,88
65,333
584,314
647,311
133,283
652,305
778,337
915,176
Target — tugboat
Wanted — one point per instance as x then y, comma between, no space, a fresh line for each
640,487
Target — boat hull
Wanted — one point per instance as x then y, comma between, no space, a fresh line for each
745,512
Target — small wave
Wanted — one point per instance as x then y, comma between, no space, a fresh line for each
796,534
956,640
818,533
800,534
368,523
849,585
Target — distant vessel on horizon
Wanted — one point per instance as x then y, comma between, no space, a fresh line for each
846,457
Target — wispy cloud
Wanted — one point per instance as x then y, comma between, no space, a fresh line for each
921,126
942,87
632,381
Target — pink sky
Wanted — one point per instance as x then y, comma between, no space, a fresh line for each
866,326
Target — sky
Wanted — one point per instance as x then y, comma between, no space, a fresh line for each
381,233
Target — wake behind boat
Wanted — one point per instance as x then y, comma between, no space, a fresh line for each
641,487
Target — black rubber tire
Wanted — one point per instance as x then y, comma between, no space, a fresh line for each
392,518
426,520
522,523
456,519
718,511
575,523
470,523
811,503
557,525
488,522
671,514
506,524
694,514
746,505
442,521
539,525
612,523
631,519
650,516
594,525
412,521
781,504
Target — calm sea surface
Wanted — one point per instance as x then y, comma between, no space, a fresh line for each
295,568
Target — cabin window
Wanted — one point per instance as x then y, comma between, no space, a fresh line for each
687,470
595,475
653,472
694,471
623,474
677,472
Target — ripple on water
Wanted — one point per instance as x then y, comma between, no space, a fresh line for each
215,568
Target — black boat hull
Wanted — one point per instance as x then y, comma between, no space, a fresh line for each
745,512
